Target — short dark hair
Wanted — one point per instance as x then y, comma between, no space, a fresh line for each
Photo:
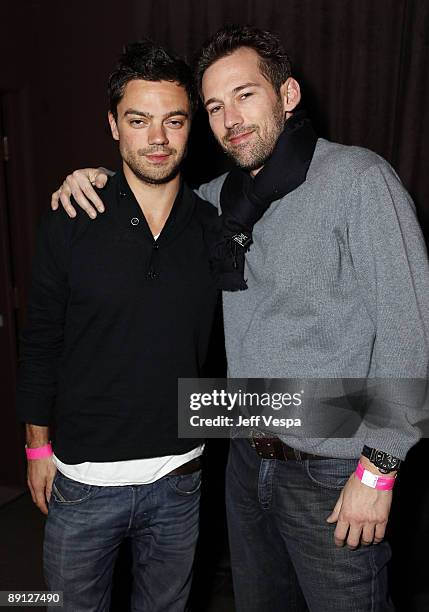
274,62
149,62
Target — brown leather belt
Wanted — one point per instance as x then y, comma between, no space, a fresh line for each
269,447
187,468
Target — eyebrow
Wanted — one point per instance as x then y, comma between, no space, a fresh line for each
236,90
174,113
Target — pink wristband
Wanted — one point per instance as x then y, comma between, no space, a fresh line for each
39,453
372,480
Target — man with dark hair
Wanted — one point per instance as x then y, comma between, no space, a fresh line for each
336,286
119,310
273,61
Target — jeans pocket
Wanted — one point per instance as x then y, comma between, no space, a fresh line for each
68,491
330,473
187,484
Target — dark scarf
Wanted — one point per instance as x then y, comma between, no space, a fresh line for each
244,199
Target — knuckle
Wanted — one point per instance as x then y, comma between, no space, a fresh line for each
88,190
346,516
356,519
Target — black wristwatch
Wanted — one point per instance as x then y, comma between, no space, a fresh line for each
383,461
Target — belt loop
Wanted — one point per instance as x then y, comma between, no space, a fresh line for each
284,453
297,454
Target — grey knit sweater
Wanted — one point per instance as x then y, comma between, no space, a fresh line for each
338,286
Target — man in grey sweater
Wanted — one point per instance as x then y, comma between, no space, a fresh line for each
337,287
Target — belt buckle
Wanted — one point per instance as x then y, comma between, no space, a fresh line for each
255,433
262,452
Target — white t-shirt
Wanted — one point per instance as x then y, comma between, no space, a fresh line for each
132,471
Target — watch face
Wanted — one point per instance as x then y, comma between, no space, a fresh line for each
385,462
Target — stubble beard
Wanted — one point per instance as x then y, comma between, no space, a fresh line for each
156,175
251,156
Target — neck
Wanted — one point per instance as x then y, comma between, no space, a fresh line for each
155,201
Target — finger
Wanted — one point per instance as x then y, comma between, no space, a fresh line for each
79,197
100,180
380,530
333,517
104,173
65,202
33,496
76,181
48,490
353,538
91,195
340,532
49,486
41,500
55,198
368,532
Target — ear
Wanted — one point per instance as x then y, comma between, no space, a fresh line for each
113,126
290,93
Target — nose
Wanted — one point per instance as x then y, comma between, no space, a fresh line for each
157,134
231,117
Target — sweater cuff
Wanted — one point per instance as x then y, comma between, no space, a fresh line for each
34,409
393,442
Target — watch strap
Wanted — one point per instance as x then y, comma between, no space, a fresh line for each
371,454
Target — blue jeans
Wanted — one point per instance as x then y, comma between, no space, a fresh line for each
283,555
86,525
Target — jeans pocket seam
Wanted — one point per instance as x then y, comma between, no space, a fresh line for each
323,485
181,492
60,499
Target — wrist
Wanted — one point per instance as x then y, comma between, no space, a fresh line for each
368,465
40,452
36,435
382,460
374,481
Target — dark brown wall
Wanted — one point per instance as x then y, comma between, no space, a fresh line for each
364,66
